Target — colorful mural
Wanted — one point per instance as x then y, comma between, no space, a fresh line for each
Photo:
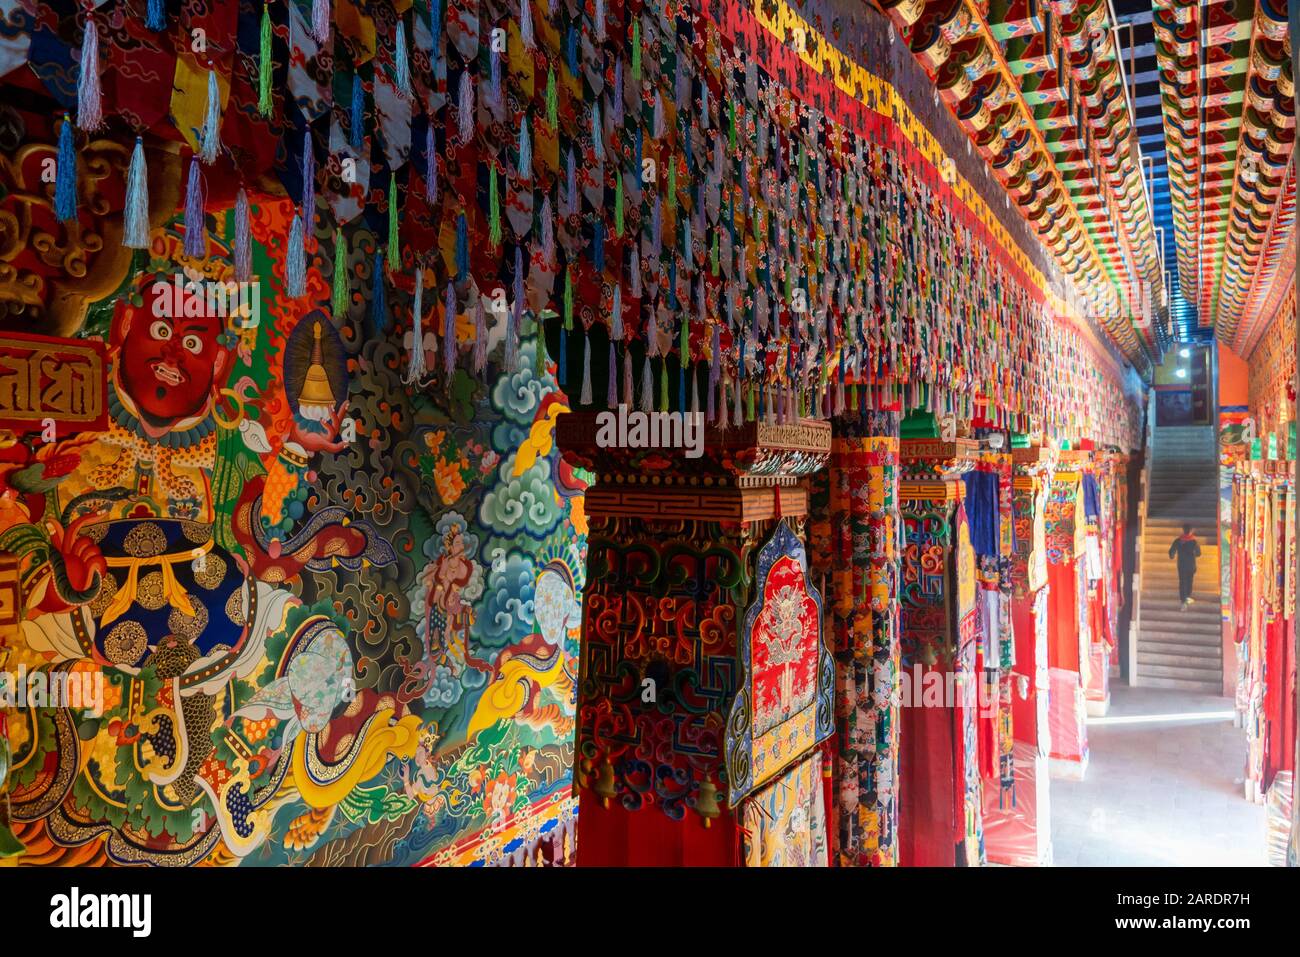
336,615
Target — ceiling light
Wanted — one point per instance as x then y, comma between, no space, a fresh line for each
1181,373
1184,352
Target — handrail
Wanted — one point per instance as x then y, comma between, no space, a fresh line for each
1144,482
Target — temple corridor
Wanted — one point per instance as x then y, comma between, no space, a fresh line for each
1164,787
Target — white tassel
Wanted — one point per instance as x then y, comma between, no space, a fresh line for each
90,106
526,24
647,386
465,108
415,369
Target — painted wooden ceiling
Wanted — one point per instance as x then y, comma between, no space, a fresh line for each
1148,141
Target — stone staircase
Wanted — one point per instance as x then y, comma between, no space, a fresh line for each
1177,647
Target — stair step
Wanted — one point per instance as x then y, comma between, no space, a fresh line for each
1186,648
1147,632
1147,659
1185,673
1180,684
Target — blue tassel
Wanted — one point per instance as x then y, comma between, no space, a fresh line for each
571,50
616,319
584,396
598,247
681,386
65,175
196,239
449,334
156,16
640,150
358,112
308,179
597,144
525,166
617,114
378,308
435,23
295,268
430,167
516,311
462,247
210,141
494,77
135,211
401,62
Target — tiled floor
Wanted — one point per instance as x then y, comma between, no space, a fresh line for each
1159,793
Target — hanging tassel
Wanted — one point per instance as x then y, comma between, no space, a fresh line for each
494,208
90,107
358,112
611,389
320,21
636,49
715,348
480,335
737,413
597,144
598,246
548,232
378,308
462,247
695,397
539,354
600,19
135,210
552,100
525,165
494,77
341,293
265,65
658,127
647,389
401,63
210,143
465,107
617,114
295,267
415,369
722,422
394,251
155,17
634,269
435,23
584,396
65,175
243,238
449,334
430,167
308,180
682,373
196,240
568,298
627,378
526,24
663,384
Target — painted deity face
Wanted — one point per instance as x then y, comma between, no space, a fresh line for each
169,362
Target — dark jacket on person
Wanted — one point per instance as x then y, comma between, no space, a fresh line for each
1188,550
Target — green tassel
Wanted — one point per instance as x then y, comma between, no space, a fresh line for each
749,405
803,164
684,342
713,255
731,129
340,290
494,209
672,185
786,287
636,49
618,204
394,255
663,385
552,99
264,65
568,298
